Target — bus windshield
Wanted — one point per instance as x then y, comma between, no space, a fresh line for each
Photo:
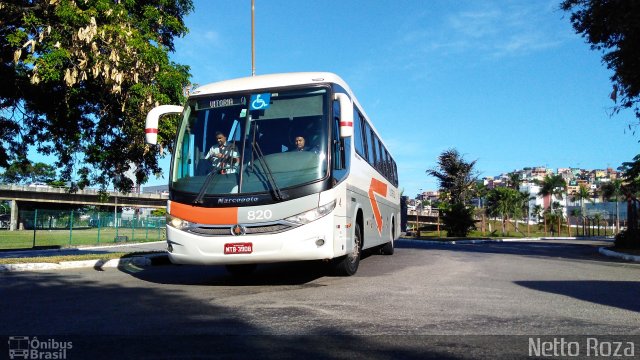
251,142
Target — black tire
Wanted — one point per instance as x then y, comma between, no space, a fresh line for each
388,249
348,265
241,270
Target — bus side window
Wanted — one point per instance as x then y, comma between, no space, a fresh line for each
357,134
369,142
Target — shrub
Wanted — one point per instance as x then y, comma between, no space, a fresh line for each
458,220
628,239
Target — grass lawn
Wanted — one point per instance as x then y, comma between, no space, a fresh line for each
494,230
24,239
78,257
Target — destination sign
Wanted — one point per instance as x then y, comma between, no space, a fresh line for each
220,103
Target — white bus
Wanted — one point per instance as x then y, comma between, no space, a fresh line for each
240,192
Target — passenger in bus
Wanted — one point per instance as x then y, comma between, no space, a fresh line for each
299,141
301,145
224,156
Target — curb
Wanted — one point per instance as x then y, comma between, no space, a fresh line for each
607,252
96,264
454,242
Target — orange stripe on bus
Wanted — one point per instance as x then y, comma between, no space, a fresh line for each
210,216
379,188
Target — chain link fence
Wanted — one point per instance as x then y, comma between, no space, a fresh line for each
54,228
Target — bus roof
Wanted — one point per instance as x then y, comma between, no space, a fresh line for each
270,81
278,80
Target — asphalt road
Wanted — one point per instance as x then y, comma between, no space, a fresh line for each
426,301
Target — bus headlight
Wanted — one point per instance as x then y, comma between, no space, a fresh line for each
177,222
312,215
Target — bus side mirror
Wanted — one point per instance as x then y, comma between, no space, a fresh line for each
346,115
151,125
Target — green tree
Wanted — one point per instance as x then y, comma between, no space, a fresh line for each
537,212
631,188
613,190
514,180
524,199
576,213
598,219
505,203
481,192
159,212
631,176
611,27
455,175
457,178
553,185
581,195
18,173
550,186
78,78
554,216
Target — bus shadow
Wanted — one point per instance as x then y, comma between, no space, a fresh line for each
296,273
301,273
619,294
109,320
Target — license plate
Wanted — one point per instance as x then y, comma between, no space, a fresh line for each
238,248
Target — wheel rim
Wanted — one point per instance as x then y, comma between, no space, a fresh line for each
355,254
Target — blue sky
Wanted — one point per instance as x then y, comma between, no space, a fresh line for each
506,83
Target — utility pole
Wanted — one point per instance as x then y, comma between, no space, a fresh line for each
253,38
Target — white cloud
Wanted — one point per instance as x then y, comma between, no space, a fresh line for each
487,30
212,38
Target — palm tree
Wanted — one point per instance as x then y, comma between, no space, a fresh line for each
631,177
502,202
525,197
613,190
598,218
514,180
554,213
457,178
581,195
552,185
481,191
557,209
537,212
576,213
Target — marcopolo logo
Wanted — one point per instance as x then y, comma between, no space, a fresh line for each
24,347
240,200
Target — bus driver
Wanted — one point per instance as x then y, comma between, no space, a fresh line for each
224,156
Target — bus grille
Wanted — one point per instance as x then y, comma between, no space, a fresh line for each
250,230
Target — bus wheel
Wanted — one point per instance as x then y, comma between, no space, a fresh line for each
388,249
348,265
241,270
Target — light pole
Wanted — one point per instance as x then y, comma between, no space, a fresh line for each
253,39
418,207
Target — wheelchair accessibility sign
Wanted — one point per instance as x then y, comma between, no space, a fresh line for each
260,101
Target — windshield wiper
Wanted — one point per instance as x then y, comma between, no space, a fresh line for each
217,169
204,187
268,173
